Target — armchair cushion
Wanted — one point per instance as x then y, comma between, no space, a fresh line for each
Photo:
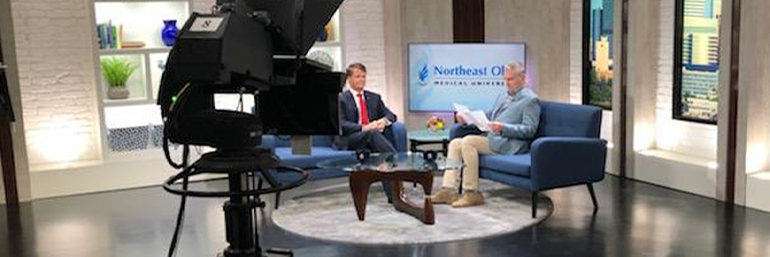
510,164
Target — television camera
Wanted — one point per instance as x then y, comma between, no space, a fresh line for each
255,48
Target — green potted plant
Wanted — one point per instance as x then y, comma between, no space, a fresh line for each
116,72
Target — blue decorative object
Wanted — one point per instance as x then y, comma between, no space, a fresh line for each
323,37
169,32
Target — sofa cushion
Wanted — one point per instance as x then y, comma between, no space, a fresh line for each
512,164
318,154
569,120
285,141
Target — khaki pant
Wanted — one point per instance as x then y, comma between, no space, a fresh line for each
467,150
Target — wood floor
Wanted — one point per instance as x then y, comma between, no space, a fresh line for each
635,219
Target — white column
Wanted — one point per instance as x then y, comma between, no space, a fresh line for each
642,78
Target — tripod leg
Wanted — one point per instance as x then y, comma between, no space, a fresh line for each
260,203
277,200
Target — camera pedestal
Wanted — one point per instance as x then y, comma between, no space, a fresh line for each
241,167
239,222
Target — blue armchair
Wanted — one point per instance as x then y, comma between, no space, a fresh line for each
567,151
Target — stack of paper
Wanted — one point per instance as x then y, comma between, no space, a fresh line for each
477,118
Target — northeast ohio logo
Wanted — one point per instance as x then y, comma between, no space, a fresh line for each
424,75
460,75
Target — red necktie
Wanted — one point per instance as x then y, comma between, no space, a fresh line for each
364,114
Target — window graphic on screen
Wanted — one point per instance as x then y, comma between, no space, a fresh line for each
597,88
697,59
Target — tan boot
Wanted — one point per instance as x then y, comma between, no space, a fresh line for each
468,199
444,196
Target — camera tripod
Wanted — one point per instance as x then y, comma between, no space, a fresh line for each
242,167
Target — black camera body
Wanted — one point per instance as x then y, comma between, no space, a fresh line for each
227,49
251,48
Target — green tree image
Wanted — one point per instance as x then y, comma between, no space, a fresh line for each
600,90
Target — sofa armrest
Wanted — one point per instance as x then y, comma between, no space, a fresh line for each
455,132
565,161
399,134
268,141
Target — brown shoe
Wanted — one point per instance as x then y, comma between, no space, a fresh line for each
468,199
444,196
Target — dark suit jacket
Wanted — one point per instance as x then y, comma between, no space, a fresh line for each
349,112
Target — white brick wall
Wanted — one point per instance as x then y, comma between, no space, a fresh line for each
677,136
56,73
363,35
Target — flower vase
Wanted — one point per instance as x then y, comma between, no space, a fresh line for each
169,32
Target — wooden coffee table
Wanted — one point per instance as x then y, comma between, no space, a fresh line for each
397,168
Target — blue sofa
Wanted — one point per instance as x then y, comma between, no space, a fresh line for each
567,151
322,149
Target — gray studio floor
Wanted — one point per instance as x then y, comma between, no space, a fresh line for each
635,219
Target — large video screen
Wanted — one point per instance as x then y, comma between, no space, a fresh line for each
468,74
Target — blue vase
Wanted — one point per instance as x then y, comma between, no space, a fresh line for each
323,37
169,32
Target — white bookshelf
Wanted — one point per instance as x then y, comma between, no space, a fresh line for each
141,21
143,50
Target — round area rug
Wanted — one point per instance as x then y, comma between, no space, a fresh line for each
329,214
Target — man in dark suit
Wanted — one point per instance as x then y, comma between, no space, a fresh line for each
365,118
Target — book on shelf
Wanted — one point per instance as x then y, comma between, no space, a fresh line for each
100,31
132,44
110,36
